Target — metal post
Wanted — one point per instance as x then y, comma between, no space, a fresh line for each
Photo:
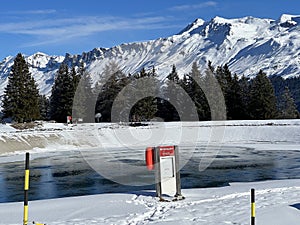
178,182
252,206
157,172
26,188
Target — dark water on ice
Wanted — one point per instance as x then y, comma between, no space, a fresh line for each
65,174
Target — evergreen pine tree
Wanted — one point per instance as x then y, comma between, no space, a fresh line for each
287,107
83,104
244,84
279,85
173,76
44,104
21,96
292,83
76,75
32,111
152,73
145,109
62,95
114,82
220,75
294,87
216,109
233,99
262,98
185,84
232,92
211,68
166,110
196,93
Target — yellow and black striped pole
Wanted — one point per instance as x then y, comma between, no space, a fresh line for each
252,206
26,188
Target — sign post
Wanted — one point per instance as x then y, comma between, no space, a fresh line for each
167,175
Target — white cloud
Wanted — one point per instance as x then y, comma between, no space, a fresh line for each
32,12
53,30
194,6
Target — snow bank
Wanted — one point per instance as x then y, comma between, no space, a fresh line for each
6,128
57,136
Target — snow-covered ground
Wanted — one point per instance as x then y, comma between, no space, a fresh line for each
276,204
277,201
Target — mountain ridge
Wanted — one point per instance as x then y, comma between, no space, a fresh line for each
246,44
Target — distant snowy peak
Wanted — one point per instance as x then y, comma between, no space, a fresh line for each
218,28
41,60
219,24
192,27
289,20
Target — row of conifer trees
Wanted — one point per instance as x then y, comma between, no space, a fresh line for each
142,96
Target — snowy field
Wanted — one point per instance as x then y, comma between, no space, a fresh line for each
277,201
276,204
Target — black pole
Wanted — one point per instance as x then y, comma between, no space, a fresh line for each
252,206
26,188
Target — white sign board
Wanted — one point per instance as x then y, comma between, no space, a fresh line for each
167,172
167,167
168,176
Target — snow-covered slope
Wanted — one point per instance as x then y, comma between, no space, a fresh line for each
247,44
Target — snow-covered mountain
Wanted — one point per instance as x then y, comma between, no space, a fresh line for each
247,44
41,66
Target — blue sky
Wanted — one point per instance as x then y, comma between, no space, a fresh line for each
59,26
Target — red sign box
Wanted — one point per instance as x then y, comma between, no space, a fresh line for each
166,151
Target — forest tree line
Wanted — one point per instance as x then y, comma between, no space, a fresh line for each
262,97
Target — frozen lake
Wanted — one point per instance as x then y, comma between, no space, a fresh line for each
68,173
